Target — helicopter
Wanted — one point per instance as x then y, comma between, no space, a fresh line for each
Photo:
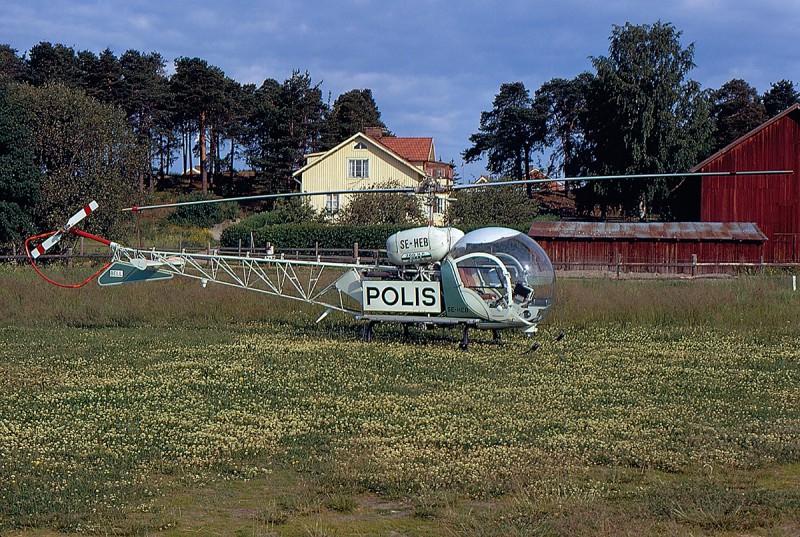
491,278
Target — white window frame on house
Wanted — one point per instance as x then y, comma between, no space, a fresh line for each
441,205
358,168
332,203
360,145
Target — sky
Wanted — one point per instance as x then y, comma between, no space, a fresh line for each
433,65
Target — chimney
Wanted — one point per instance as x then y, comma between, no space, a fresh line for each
376,133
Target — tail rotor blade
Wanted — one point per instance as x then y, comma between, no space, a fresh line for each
52,240
48,243
80,215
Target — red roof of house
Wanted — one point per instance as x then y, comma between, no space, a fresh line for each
411,149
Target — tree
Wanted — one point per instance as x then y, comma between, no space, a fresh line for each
12,67
644,116
388,208
506,206
564,105
144,95
19,178
102,76
234,124
508,133
199,92
58,64
285,123
85,150
293,211
780,96
737,110
352,112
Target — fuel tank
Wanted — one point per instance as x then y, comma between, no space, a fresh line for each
421,245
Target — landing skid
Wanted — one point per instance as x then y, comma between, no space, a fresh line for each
408,320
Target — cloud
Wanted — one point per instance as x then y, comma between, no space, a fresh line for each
433,65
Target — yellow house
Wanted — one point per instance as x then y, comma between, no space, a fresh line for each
365,161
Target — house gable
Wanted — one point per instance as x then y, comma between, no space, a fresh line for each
372,146
355,164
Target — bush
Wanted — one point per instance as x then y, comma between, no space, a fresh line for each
309,234
202,215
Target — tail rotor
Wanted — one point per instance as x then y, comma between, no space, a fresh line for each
54,237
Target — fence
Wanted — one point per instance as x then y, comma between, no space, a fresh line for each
341,255
619,267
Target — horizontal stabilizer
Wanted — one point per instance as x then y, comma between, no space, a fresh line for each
120,272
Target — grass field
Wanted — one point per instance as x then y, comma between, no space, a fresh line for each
670,408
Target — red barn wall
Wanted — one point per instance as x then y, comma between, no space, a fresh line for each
771,201
639,255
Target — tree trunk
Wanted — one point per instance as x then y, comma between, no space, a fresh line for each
203,163
233,148
529,186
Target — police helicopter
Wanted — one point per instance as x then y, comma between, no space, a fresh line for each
492,278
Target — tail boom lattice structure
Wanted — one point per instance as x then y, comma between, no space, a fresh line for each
305,281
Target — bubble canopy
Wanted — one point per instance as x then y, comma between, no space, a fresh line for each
526,261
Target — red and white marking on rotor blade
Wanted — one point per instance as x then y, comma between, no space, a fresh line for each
83,213
72,222
48,243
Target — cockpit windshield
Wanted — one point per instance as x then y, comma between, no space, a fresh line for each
532,276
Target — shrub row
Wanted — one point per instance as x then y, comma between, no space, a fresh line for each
308,235
202,215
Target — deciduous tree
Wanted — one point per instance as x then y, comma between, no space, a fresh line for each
506,206
20,180
85,150
645,116
389,208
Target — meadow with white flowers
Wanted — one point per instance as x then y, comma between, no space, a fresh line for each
670,408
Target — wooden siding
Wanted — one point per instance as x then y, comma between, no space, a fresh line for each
332,173
771,201
647,256
329,171
643,248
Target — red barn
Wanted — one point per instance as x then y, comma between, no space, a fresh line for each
670,247
770,201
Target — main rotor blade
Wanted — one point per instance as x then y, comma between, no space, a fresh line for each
611,177
272,196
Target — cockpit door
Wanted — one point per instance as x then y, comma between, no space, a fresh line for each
485,285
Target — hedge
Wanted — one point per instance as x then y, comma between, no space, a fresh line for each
308,235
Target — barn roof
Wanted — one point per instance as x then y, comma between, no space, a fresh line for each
651,231
793,112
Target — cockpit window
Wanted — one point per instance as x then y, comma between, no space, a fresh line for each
532,275
482,276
